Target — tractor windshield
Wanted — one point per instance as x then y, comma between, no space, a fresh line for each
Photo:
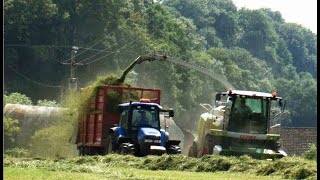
249,115
145,117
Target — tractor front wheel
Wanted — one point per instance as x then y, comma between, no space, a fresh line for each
173,149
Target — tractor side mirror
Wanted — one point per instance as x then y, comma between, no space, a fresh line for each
171,113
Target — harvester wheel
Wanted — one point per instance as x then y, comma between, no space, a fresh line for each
109,147
193,150
208,145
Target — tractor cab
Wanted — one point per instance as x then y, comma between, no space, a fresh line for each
248,111
139,114
139,130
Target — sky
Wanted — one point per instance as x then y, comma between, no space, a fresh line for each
303,12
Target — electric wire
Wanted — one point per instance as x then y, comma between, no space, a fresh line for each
102,51
25,77
57,46
108,54
86,50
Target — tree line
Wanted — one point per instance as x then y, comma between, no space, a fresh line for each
253,49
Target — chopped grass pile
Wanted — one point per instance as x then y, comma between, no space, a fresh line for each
289,167
57,137
58,140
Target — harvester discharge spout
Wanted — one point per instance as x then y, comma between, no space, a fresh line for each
139,60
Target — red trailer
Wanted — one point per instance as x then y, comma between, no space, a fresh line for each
94,126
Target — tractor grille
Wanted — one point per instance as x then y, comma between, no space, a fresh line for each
153,137
229,141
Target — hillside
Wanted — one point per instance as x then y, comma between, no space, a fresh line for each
253,49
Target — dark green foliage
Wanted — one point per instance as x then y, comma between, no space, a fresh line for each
17,152
17,98
253,49
311,153
11,129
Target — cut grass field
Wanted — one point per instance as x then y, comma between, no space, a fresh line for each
123,173
158,167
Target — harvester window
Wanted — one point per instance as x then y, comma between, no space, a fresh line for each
249,115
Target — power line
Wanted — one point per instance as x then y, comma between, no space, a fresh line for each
86,50
54,46
25,77
109,53
101,52
105,50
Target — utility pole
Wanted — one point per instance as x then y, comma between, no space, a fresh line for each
73,81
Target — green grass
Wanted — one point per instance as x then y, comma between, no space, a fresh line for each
31,173
122,173
244,166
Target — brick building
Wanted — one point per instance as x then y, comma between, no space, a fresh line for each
295,140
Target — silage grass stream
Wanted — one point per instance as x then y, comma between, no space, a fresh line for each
58,140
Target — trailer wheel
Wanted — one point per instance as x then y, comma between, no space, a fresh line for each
82,151
109,147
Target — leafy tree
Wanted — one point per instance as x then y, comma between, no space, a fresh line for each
11,130
47,103
303,51
253,49
311,153
17,98
257,32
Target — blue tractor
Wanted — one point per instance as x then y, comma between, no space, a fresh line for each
139,132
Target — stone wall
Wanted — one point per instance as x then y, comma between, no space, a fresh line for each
295,140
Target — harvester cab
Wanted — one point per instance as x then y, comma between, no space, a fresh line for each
139,131
238,124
